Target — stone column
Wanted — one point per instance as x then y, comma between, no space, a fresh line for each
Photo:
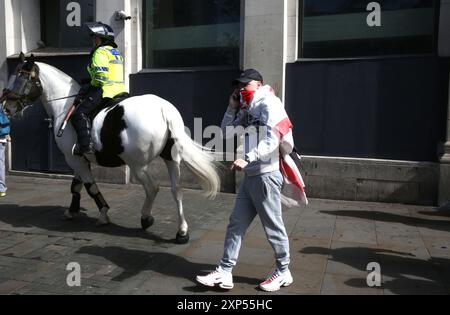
19,31
265,24
270,40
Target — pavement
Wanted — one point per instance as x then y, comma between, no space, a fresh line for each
332,244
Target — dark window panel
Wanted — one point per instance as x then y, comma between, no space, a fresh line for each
337,29
373,47
178,13
327,7
191,33
197,57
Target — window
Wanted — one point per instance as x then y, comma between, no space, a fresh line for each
339,28
62,23
191,33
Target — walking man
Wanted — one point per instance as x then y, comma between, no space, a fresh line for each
254,105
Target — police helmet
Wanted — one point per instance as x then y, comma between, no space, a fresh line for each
101,29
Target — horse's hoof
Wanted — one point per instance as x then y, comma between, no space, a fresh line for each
103,222
74,211
181,240
68,216
148,222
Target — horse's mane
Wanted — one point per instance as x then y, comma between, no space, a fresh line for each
55,73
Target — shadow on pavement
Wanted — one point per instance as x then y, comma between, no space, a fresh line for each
437,213
401,273
134,262
50,218
440,225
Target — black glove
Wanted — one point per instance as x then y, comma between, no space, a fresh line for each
85,89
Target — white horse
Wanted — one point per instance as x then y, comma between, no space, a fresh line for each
134,132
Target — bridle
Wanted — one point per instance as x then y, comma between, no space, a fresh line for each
26,87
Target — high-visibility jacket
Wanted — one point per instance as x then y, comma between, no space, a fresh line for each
106,71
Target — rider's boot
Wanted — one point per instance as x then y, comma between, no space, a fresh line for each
82,126
78,150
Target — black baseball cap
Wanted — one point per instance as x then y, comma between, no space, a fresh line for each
247,76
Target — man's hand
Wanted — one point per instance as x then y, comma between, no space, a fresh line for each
239,165
235,99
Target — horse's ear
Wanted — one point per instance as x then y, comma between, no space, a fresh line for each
22,57
31,59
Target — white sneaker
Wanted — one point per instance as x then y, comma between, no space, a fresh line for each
222,278
276,281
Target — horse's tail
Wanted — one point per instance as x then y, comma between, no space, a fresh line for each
199,159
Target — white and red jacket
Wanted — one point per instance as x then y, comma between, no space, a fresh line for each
269,145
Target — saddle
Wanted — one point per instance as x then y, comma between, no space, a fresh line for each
108,103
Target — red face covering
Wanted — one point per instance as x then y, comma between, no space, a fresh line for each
246,98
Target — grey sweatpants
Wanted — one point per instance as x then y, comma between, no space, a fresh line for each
2,167
260,195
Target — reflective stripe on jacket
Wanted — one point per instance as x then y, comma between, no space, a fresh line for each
106,71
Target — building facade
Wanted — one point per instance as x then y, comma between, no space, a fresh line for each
366,83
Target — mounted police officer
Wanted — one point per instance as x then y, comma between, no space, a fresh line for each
106,82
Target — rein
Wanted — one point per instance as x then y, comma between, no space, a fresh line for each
62,98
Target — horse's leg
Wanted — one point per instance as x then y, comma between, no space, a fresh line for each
174,172
75,189
82,169
74,209
151,190
100,201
